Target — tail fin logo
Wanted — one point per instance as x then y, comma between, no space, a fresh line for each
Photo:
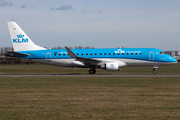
20,39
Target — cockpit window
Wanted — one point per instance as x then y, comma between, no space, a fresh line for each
161,53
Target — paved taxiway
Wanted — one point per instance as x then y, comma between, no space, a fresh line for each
88,75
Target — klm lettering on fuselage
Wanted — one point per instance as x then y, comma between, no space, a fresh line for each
119,51
20,39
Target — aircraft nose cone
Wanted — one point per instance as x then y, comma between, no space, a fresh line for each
173,60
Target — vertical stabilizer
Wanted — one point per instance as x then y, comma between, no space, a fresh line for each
20,41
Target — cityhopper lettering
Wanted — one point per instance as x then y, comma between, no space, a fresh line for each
20,39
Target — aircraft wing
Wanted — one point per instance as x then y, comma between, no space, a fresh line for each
16,53
81,59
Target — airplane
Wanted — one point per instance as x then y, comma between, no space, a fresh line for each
110,59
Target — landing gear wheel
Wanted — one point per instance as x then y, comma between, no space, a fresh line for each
92,71
154,71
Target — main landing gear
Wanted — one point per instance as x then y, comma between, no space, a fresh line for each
92,71
154,71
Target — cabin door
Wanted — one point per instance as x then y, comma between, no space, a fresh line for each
48,56
151,55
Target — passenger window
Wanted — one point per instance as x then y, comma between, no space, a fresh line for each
55,53
100,53
86,54
77,54
131,53
109,53
91,54
68,54
135,53
140,53
95,53
82,53
126,53
122,53
104,53
64,54
113,53
118,53
59,54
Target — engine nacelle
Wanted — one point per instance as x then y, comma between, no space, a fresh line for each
110,66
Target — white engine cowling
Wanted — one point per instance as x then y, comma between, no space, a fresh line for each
111,66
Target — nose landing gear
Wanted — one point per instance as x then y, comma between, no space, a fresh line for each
92,71
154,69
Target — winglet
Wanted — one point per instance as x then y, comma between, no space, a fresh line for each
71,54
88,61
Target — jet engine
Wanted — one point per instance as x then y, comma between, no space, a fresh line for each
112,66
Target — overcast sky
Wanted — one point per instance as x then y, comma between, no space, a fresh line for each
97,23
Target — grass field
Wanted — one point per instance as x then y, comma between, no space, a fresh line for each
47,69
100,98
89,98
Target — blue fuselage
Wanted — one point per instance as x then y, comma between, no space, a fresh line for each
130,56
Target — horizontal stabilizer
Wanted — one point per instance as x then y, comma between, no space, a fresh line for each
17,53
